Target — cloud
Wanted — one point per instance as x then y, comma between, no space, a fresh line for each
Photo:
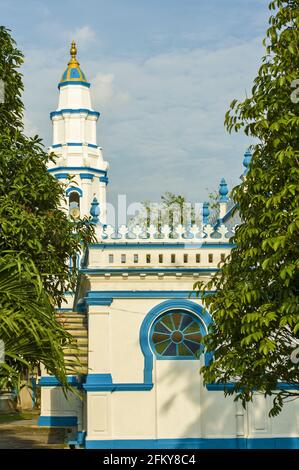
161,124
84,36
169,133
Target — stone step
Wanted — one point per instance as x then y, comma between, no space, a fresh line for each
74,318
76,352
70,315
74,326
74,359
77,333
81,342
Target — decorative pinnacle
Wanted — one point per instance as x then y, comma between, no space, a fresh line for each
223,190
73,52
205,212
94,211
247,158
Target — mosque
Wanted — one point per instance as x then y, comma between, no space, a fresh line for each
137,321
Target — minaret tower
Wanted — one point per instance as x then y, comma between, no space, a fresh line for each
75,143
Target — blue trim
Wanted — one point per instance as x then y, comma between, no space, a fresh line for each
86,176
104,383
220,387
80,440
167,245
286,386
74,111
77,82
51,381
107,297
196,443
60,176
134,270
77,168
163,307
57,421
72,189
78,144
102,301
104,179
140,294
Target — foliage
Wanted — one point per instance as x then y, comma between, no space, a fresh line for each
255,308
28,327
172,210
34,232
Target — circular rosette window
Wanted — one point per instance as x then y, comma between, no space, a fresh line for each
177,335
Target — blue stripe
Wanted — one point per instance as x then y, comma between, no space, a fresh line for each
77,82
108,295
103,383
57,421
196,443
54,146
86,176
74,111
60,176
219,387
104,179
134,270
77,168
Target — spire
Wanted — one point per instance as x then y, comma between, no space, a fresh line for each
73,52
73,73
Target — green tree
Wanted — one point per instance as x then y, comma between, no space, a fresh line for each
28,328
255,309
172,210
34,231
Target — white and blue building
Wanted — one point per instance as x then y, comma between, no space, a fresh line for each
142,387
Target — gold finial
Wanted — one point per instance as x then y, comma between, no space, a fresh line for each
73,52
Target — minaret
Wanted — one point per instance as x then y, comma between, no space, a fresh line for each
75,143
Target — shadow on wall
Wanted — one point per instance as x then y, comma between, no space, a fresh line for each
180,392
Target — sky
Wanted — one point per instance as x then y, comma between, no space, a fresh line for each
162,73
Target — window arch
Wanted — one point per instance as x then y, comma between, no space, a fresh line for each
74,202
177,334
149,320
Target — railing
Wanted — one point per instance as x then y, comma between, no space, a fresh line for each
193,234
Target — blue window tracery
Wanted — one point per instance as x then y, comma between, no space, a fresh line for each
177,334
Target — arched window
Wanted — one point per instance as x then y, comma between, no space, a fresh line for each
177,334
74,203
